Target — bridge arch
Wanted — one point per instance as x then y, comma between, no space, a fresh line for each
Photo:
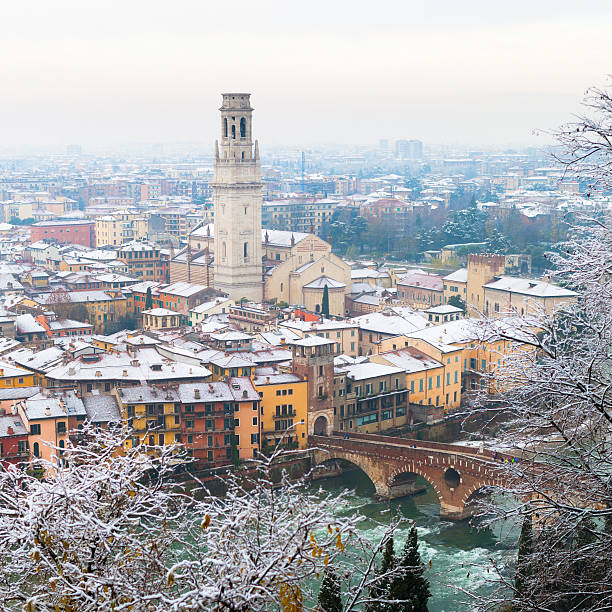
321,426
356,464
413,468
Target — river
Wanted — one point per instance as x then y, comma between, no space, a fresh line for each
460,554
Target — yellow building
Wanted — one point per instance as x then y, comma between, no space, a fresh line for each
114,230
227,365
284,408
457,343
102,306
429,381
455,284
508,295
13,376
153,414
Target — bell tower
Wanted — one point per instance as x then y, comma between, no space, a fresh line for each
238,201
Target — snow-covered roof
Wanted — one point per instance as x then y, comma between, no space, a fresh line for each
37,361
443,309
391,323
101,408
274,378
324,281
160,312
411,360
368,273
27,324
183,289
146,365
362,371
526,286
423,281
205,306
42,406
311,341
143,394
230,336
14,423
458,276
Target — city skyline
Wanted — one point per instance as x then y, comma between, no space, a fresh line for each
344,74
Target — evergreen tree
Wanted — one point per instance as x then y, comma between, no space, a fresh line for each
380,586
525,550
329,599
148,300
325,302
410,587
235,452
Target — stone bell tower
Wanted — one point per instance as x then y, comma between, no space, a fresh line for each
238,201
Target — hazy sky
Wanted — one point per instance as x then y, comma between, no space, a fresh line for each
469,72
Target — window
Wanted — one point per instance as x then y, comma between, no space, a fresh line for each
245,249
254,420
36,449
35,430
438,381
61,427
189,424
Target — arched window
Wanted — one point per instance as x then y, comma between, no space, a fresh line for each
233,132
36,450
242,127
243,155
225,127
245,249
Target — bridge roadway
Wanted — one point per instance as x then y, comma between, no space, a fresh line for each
455,472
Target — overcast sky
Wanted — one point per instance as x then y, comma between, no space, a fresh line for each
473,72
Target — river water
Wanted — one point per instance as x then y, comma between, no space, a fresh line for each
461,556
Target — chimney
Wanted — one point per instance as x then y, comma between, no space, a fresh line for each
267,380
244,393
48,411
10,431
196,393
125,372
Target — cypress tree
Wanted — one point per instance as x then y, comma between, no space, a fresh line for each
330,599
525,550
410,587
148,299
380,587
325,302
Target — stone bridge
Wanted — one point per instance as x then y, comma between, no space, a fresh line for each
455,472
